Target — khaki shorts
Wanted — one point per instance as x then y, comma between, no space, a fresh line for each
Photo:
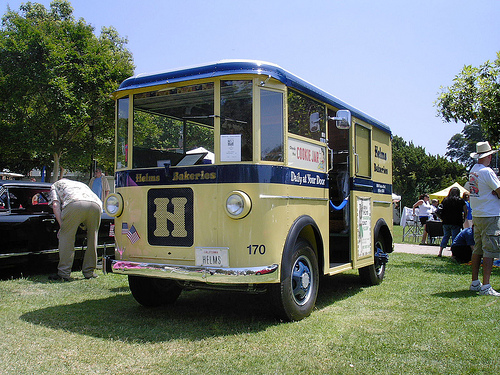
487,236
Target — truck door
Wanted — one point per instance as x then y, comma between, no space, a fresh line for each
361,204
338,176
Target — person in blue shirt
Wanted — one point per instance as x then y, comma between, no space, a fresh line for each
462,246
99,184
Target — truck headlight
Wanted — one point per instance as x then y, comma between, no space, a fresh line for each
113,204
238,204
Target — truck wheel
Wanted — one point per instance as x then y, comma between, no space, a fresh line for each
153,292
374,274
295,296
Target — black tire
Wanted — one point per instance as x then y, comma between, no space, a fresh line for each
153,292
374,274
295,296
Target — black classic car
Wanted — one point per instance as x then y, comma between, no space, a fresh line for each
28,228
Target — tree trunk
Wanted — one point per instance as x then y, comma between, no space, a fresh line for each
61,172
55,170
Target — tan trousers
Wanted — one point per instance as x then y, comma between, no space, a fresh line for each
74,214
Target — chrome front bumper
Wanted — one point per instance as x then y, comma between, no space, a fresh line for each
212,275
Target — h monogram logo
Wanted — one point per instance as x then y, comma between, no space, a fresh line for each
177,218
170,217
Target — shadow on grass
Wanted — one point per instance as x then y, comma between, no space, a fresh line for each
31,268
201,314
35,265
339,287
457,294
196,315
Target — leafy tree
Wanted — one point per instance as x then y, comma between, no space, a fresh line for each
55,81
415,172
474,97
163,133
462,144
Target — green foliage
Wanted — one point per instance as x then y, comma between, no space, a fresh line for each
164,133
474,97
461,145
156,132
55,81
415,172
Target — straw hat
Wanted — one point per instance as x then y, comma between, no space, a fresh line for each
483,149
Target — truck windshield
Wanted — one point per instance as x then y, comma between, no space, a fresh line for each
172,123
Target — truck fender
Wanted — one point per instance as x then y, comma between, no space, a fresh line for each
313,236
382,228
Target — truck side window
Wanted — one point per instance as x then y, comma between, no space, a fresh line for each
271,122
306,117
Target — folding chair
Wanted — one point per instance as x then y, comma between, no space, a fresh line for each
411,225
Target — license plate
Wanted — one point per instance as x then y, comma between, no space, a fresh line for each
212,257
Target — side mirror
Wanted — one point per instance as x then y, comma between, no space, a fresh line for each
342,119
314,120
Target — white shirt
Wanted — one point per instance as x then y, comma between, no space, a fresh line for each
482,181
425,209
67,191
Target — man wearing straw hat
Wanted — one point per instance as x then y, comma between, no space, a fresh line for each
485,203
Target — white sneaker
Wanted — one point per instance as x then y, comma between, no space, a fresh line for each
476,288
489,292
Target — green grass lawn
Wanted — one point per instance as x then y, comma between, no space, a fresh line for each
421,320
397,233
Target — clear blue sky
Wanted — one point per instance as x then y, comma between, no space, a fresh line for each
388,58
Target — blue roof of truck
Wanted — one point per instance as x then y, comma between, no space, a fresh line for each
227,67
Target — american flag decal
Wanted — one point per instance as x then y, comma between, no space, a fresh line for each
133,235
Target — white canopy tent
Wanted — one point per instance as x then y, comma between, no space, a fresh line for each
396,209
